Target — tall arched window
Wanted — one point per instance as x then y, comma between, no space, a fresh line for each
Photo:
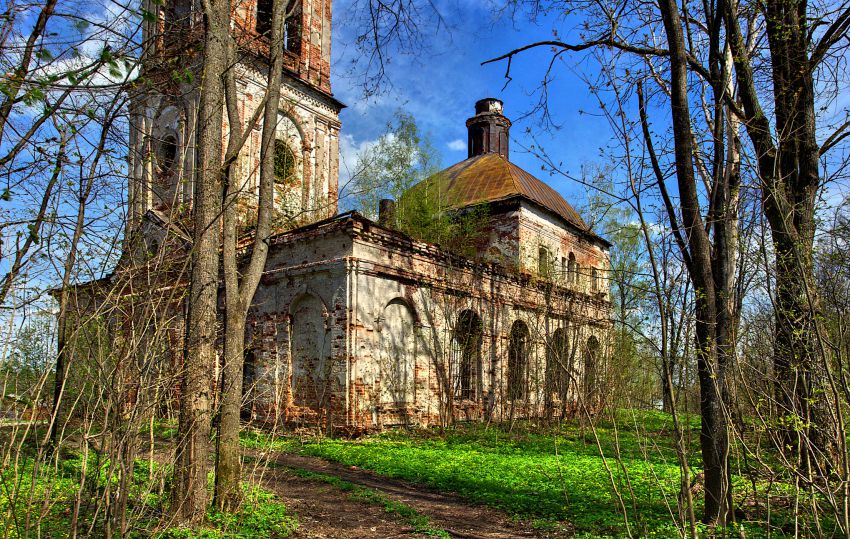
398,354
543,262
166,154
285,178
558,365
591,371
572,270
291,25
466,355
249,376
594,279
310,348
518,361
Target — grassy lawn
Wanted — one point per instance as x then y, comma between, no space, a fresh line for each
546,473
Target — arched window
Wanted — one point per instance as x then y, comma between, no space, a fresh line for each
558,365
572,269
264,17
518,361
291,25
285,175
284,163
591,371
292,28
398,354
594,279
466,355
249,376
310,349
543,261
166,154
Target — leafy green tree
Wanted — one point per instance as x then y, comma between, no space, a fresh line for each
401,158
403,165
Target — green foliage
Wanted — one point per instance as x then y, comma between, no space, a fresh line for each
421,214
27,371
555,474
398,160
397,167
34,494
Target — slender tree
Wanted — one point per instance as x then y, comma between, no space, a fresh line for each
193,439
241,277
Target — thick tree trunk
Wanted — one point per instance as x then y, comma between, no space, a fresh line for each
193,440
239,295
801,391
790,182
228,465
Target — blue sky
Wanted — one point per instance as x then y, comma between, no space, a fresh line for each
439,87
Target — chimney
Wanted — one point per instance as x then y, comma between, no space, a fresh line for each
488,129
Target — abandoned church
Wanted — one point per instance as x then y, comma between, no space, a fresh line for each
356,324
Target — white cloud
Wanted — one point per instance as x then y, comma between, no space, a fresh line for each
457,145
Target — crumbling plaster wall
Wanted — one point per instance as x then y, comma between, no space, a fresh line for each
373,313
538,228
298,329
436,290
308,122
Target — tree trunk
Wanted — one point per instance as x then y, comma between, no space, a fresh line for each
790,182
706,266
193,439
239,295
228,464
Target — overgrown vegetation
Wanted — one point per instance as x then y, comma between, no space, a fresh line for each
617,478
403,166
65,497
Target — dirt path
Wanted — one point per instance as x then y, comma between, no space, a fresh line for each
325,511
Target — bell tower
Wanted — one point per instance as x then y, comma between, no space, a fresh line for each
165,99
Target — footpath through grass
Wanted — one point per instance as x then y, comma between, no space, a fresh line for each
547,474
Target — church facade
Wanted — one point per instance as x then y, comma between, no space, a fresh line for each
356,324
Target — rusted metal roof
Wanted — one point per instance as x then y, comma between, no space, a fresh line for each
491,178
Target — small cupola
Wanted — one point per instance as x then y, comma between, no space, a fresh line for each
488,129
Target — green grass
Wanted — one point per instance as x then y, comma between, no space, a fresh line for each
262,515
546,474
37,500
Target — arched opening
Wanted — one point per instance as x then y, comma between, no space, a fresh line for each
292,28
291,25
264,17
466,355
594,279
543,262
166,154
518,361
285,178
572,270
284,163
591,371
398,354
249,377
558,366
310,345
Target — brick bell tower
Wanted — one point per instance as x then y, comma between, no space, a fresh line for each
165,100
